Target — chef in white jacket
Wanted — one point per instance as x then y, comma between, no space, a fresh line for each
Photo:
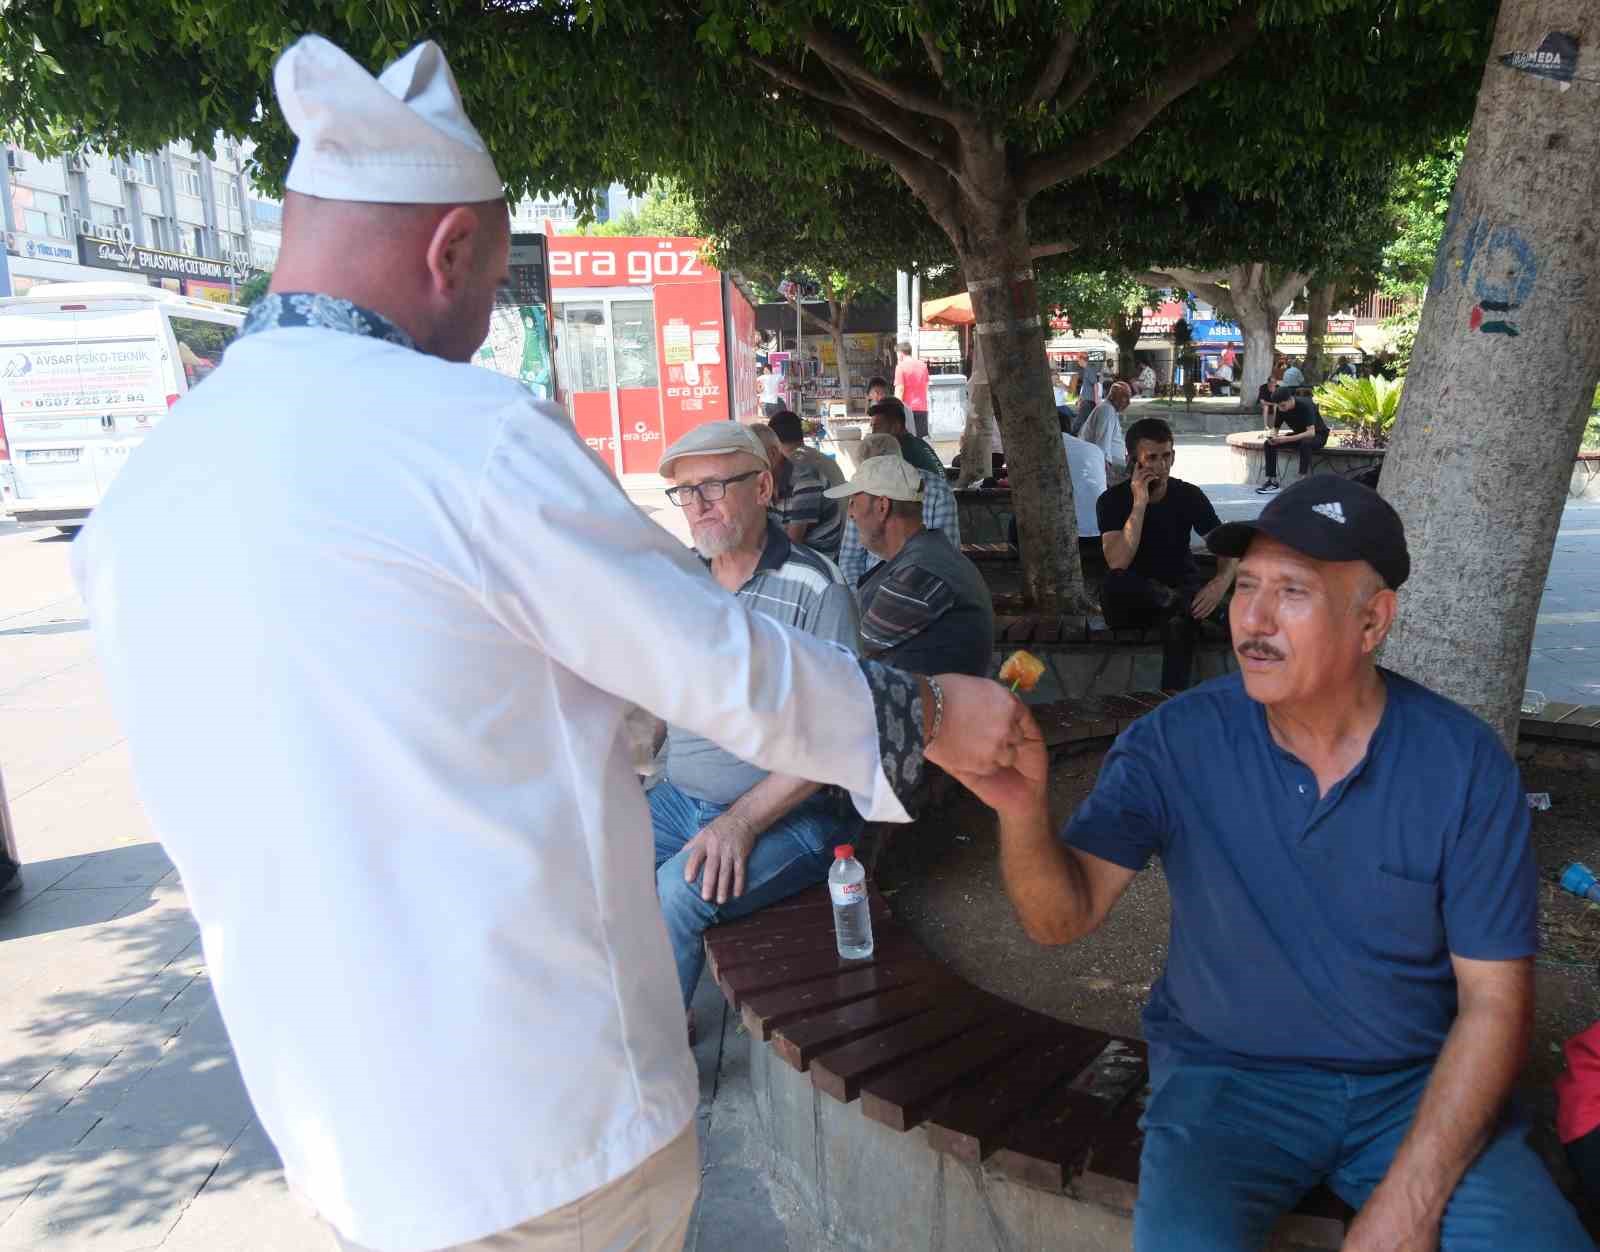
372,618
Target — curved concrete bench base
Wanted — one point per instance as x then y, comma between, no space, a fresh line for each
872,1189
1249,462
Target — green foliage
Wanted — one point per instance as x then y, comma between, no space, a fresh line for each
1591,432
1369,405
667,210
571,95
1418,204
253,288
1090,300
1402,333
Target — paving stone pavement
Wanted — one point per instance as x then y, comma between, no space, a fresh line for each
123,1123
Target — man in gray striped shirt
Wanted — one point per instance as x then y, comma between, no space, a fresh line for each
731,838
798,505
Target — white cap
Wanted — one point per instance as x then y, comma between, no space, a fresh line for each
400,138
715,438
886,476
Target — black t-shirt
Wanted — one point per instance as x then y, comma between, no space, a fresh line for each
1304,415
1164,543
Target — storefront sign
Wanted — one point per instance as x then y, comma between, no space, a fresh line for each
586,261
31,246
119,254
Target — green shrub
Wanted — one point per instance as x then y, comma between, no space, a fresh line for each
1367,405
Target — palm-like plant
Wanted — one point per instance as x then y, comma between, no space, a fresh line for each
1367,405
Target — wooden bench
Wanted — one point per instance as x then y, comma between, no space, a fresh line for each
1017,1093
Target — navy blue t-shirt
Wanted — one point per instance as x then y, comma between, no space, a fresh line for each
1311,931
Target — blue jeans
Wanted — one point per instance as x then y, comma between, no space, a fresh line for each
792,854
1227,1152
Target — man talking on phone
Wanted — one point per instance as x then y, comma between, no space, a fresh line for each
1144,528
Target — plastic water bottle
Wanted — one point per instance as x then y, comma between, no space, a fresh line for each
852,920
1577,878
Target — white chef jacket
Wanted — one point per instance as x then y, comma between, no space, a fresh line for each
372,621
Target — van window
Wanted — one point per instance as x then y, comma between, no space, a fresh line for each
200,345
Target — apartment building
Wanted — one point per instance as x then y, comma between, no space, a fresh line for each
174,218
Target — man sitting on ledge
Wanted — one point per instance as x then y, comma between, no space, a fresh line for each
1145,525
731,838
939,510
926,608
1348,994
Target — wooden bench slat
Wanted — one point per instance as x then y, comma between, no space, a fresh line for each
765,1011
738,983
840,1073
800,1041
1110,1174
1046,1148
796,924
767,948
970,1124
902,1097
1556,710
1150,699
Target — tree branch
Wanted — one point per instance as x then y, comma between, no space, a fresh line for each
1099,146
930,150
1203,283
935,57
842,58
894,123
1286,290
1055,68
900,159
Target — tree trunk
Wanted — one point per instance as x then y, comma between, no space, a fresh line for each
1318,308
993,252
1479,467
976,445
1126,328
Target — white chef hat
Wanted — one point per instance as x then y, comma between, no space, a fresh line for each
400,138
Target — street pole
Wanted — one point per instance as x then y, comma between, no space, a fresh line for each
915,326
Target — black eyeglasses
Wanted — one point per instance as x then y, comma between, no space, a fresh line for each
710,491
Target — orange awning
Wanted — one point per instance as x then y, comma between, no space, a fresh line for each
948,311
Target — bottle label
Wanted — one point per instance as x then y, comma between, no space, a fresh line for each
847,892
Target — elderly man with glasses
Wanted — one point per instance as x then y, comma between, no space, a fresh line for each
731,838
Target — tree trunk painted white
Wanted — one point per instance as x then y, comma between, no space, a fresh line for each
1250,295
1481,458
1318,307
976,445
995,257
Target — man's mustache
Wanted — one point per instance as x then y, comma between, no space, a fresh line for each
1260,649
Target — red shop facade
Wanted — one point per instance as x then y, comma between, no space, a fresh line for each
649,342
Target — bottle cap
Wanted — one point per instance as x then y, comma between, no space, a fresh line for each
844,852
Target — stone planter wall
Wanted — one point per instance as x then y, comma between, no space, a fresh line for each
1249,464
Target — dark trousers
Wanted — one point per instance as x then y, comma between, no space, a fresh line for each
919,418
1305,447
1131,601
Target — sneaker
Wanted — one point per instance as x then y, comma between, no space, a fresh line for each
1267,488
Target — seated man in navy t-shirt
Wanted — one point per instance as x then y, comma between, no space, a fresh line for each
1349,987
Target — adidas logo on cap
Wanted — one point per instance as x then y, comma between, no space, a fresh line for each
1333,512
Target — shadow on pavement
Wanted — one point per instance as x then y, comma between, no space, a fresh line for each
120,1101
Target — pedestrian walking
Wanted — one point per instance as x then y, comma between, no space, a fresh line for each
373,618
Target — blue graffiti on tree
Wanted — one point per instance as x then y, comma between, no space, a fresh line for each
1501,266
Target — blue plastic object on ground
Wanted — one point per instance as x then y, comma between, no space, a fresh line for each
1579,879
